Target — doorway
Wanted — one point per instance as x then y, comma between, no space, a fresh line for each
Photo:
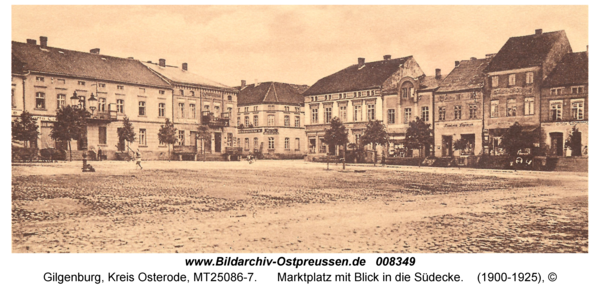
218,141
556,144
446,146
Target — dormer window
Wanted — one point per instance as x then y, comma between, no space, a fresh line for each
577,90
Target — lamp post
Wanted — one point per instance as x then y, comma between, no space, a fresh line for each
74,99
93,102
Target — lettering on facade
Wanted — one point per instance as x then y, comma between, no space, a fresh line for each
271,132
249,131
458,125
513,90
211,94
570,123
45,119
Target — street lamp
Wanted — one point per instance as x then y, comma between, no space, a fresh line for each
74,99
92,102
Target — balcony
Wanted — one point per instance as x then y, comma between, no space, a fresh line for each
105,116
209,119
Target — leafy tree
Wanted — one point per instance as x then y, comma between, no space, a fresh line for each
375,134
126,133
337,135
514,139
574,142
167,135
461,144
71,124
203,134
25,129
418,135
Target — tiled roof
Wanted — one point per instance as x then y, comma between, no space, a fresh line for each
431,82
178,75
65,62
352,78
466,76
272,93
526,51
571,70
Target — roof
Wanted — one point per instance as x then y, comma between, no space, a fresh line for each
178,75
571,70
431,83
353,78
65,62
271,92
466,76
525,51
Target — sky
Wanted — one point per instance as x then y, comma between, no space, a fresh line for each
292,44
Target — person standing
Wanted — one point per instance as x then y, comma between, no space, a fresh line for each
138,158
99,153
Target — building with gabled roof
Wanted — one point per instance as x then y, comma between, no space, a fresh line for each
270,119
199,101
45,78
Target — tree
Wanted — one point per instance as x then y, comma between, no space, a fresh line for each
461,144
203,134
336,135
418,135
71,124
375,134
25,129
126,133
574,142
514,139
167,135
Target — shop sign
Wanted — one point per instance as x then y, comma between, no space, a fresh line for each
45,119
514,90
458,125
570,123
249,131
271,132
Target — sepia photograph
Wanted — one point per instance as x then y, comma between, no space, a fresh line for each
299,129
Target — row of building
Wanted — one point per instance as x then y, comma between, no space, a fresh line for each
535,80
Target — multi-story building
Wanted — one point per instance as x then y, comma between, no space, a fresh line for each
270,119
46,78
565,106
355,96
515,76
411,100
197,100
459,108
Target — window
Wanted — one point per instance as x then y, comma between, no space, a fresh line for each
407,113
255,108
247,144
142,108
81,83
39,79
271,107
494,108
340,96
181,110
371,112
494,81
555,110
286,108
327,116
442,114
181,138
577,109
315,116
238,121
61,100
271,120
120,104
246,109
297,144
193,111
60,81
120,87
255,142
472,111
343,113
271,143
297,122
576,90
255,120
457,112
357,113
247,121
229,110
161,109
101,104
181,92
161,92
102,85
511,107
556,91
529,78
511,79
217,110
391,116
529,107
297,109
286,121
192,93
142,137
229,98
359,94
102,135
13,101
425,114
286,143
40,100
407,90
207,108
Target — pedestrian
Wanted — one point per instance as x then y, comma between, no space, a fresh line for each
99,153
138,158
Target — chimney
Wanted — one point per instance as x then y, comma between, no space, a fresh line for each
490,55
361,61
184,66
473,58
95,50
438,73
387,57
255,82
456,63
31,41
538,31
243,83
43,41
162,62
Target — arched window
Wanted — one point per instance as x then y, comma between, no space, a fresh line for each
407,90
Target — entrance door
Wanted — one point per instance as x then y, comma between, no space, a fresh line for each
576,140
312,144
556,144
218,141
446,146
194,139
